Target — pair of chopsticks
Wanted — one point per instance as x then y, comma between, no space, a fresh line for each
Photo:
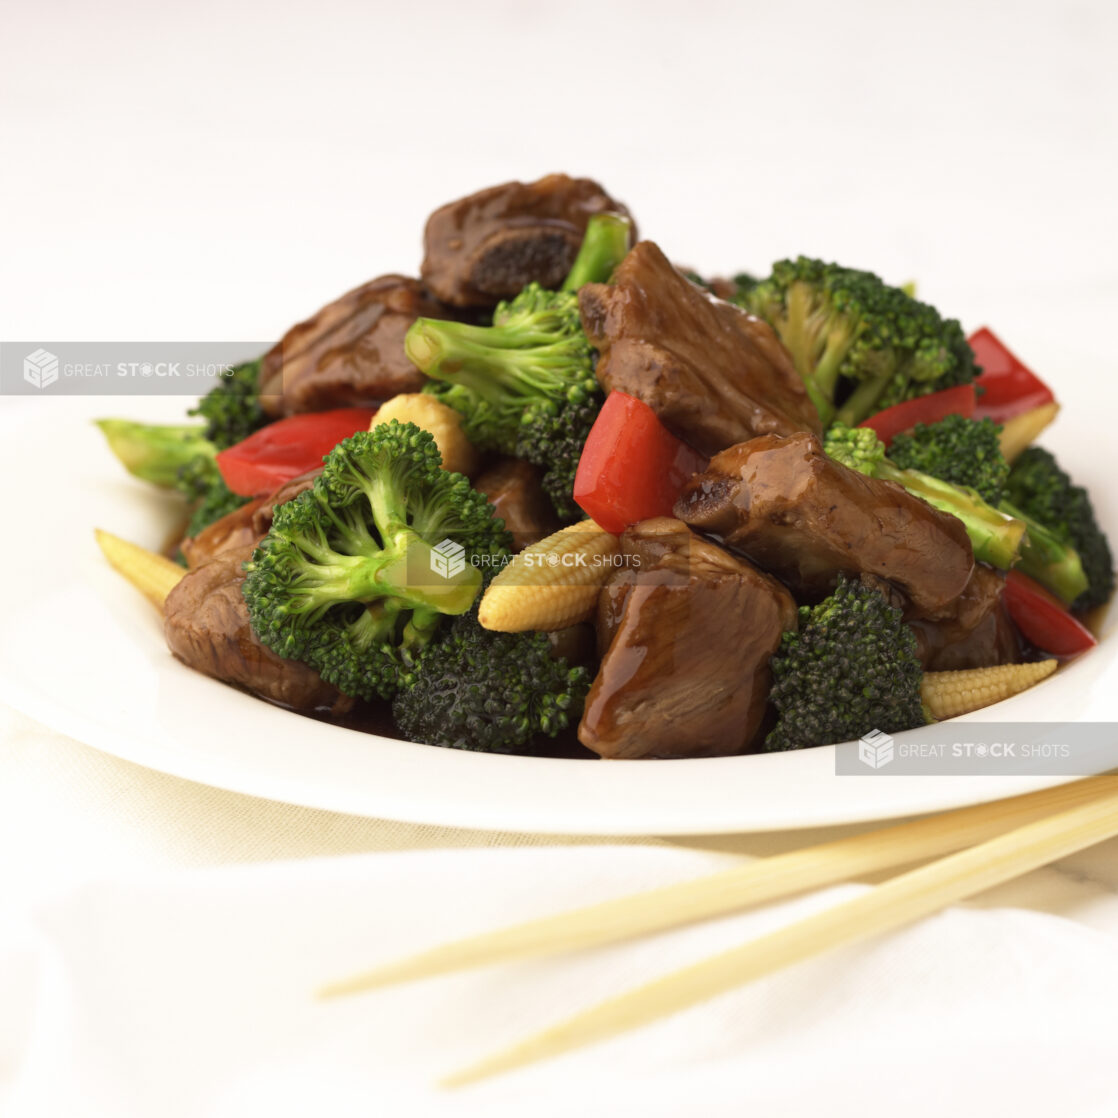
992,844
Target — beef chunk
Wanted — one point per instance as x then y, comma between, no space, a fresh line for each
206,624
486,247
234,530
350,353
514,490
715,375
976,633
243,527
805,518
262,517
686,670
645,546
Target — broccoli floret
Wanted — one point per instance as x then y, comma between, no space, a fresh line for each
995,536
558,439
195,479
157,452
858,448
1044,492
476,689
232,408
962,451
533,361
849,668
966,452
525,385
357,572
743,283
859,344
200,481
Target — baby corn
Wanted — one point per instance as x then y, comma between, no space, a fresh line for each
551,584
947,694
1020,431
155,576
429,414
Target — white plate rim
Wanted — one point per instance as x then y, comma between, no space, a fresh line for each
346,771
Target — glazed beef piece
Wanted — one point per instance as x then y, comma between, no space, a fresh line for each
243,527
715,375
486,247
686,670
805,518
513,488
977,633
645,546
350,353
262,517
206,624
236,529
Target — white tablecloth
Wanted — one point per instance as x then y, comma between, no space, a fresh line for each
162,941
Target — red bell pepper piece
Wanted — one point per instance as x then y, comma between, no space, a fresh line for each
1008,386
924,409
287,448
1043,619
632,467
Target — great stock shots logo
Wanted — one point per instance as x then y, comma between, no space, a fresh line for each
875,749
40,368
31,366
448,559
952,748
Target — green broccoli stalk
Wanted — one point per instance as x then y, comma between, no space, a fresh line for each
476,689
353,577
174,457
232,408
859,344
995,537
525,385
966,452
604,246
849,668
959,450
1046,494
157,453
1047,559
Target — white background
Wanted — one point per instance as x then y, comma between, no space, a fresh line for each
217,171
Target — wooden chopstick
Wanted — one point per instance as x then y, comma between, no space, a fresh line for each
757,882
899,901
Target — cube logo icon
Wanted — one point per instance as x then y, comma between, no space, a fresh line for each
875,749
40,368
448,559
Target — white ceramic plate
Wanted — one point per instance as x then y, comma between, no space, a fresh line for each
84,653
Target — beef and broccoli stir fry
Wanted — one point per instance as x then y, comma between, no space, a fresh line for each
559,485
